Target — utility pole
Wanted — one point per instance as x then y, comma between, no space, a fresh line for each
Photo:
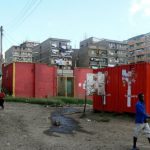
1,42
1,56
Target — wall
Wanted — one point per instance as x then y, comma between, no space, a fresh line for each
45,80
24,79
79,78
30,80
7,78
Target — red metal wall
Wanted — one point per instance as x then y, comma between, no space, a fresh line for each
111,84
7,78
121,88
45,80
31,80
147,91
79,78
24,79
117,89
138,85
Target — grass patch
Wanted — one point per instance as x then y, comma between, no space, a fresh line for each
53,101
70,100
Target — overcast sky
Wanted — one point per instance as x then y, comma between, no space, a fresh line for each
37,20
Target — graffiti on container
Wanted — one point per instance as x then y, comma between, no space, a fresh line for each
128,78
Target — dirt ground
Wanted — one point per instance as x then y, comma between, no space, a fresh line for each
26,127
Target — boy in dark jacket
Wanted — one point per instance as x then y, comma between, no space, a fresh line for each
2,96
141,121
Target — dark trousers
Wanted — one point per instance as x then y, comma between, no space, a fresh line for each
2,103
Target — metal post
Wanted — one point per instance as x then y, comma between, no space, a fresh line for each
1,30
85,100
1,57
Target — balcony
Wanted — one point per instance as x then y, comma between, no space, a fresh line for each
140,46
141,53
141,40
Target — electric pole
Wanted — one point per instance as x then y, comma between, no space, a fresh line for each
1,35
1,55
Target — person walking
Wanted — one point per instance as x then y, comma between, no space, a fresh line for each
141,121
2,96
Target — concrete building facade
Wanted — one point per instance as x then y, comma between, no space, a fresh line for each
75,57
54,51
99,53
139,48
22,53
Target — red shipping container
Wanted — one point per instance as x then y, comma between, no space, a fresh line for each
122,87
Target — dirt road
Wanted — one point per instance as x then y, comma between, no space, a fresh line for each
26,127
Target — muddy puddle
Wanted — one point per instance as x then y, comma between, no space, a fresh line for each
62,123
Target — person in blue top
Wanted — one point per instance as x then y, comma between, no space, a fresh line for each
141,121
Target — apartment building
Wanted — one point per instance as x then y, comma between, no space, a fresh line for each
99,53
29,44
54,51
75,57
139,48
116,51
21,53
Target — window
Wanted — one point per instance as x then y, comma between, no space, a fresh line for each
92,52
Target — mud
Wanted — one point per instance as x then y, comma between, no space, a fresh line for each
22,126
62,123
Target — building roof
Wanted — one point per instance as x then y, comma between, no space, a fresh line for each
56,39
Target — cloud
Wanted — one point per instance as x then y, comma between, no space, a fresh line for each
141,7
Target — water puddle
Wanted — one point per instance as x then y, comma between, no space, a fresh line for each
61,123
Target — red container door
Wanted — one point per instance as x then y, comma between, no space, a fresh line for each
123,93
131,82
147,95
109,101
112,89
98,101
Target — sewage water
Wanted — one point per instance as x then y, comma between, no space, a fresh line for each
66,124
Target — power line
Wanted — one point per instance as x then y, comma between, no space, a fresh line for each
10,42
31,8
30,13
21,13
6,34
1,42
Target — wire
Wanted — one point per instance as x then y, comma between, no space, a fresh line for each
31,11
8,40
10,37
21,13
28,9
